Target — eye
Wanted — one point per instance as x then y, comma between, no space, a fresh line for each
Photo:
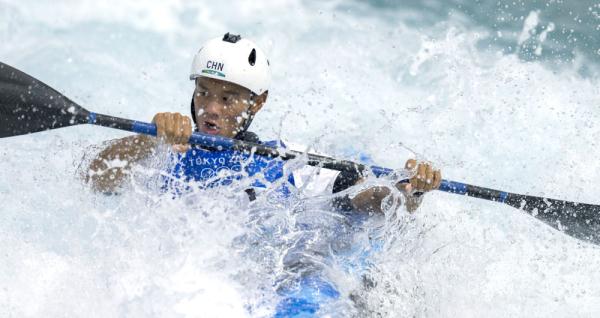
228,99
201,93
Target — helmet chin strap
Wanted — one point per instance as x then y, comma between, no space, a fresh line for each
193,109
247,124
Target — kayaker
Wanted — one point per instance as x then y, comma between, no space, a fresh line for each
232,79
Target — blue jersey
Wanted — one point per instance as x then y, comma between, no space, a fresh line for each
211,168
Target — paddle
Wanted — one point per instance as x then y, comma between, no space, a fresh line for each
28,105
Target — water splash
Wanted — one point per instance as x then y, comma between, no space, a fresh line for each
349,80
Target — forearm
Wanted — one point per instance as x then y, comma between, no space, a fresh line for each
413,202
109,169
424,178
370,200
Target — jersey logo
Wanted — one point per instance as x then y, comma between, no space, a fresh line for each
221,168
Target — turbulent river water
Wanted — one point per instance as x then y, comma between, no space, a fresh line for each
503,94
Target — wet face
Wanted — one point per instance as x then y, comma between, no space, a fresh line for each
222,108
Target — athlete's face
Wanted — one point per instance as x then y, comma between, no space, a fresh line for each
222,108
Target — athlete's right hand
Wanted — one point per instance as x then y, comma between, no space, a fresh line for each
174,129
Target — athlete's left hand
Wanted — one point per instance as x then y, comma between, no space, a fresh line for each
425,178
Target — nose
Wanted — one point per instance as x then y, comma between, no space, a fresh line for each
211,108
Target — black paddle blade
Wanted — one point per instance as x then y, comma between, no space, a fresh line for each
28,105
579,220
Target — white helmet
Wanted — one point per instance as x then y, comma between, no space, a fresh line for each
234,60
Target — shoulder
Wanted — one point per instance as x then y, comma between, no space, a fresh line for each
249,136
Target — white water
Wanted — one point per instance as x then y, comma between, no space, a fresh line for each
347,79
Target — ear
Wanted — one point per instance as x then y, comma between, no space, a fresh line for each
259,101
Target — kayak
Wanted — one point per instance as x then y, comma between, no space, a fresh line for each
307,298
314,290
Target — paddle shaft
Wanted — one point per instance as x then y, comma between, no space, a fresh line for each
220,143
27,106
563,215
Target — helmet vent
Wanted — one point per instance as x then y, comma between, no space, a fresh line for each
252,57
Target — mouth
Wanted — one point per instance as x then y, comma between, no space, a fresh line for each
210,127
